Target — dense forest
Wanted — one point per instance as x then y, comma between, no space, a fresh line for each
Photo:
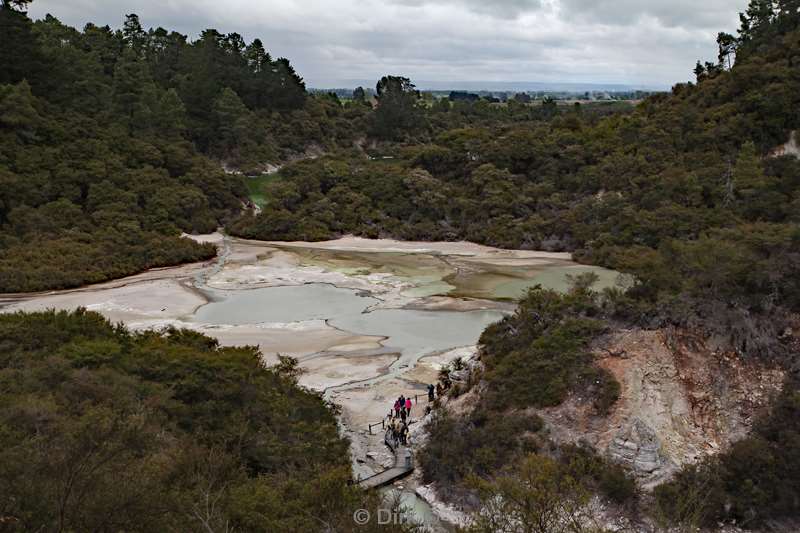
111,143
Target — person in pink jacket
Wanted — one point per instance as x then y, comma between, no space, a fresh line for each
408,406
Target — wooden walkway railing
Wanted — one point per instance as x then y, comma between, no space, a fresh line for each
403,465
382,423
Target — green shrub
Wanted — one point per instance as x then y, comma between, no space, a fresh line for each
103,429
479,444
535,357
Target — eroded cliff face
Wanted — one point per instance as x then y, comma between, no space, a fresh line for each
680,401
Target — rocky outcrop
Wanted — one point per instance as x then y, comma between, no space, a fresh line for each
639,447
679,401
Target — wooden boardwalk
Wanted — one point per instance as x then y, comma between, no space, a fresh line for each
403,466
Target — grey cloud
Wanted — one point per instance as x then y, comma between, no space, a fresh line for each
611,41
672,13
504,9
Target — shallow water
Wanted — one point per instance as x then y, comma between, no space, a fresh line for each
556,278
417,509
411,333
418,333
281,305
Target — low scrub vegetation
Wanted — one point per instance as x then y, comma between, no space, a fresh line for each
535,357
106,430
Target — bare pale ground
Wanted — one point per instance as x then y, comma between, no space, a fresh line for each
427,369
692,400
326,371
138,300
350,243
790,148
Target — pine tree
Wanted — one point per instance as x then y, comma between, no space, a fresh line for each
171,120
20,53
231,117
131,80
748,173
17,108
758,193
397,107
133,35
359,95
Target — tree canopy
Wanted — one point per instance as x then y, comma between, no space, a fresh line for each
102,429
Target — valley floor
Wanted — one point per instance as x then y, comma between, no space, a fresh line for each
367,320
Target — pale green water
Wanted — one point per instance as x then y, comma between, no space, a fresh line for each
419,510
281,304
412,333
440,275
417,333
425,286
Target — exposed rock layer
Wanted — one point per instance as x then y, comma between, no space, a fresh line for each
679,401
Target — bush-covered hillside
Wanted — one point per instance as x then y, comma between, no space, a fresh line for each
112,143
685,195
102,429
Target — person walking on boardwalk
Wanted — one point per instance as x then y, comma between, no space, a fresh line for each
402,401
403,415
400,432
408,407
430,392
397,408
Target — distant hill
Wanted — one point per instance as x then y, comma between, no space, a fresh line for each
516,86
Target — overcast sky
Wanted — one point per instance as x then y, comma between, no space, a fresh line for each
331,42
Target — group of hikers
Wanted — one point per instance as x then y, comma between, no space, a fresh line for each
400,415
398,420
399,431
402,408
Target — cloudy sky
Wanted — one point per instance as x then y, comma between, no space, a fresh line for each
652,43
